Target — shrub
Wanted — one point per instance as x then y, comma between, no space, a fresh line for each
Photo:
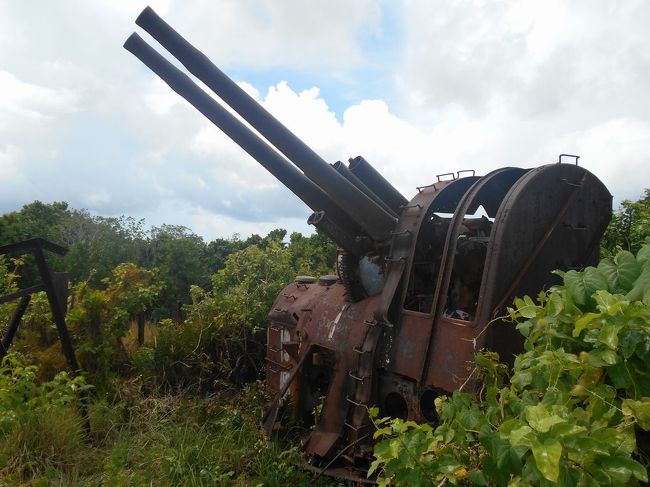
223,336
40,426
574,399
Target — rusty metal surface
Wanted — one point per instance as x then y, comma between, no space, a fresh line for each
450,345
313,315
571,209
409,346
446,272
391,356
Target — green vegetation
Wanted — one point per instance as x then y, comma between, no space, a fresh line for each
629,228
174,409
182,259
135,438
183,406
570,410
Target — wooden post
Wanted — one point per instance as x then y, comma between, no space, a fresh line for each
13,326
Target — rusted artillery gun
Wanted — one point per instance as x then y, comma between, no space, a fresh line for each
418,281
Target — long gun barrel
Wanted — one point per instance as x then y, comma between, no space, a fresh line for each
376,222
343,170
377,183
283,170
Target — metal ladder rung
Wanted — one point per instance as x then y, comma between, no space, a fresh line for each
357,378
358,404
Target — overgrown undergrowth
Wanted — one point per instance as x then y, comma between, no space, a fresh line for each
574,410
136,439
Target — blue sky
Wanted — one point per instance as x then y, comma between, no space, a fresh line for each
417,87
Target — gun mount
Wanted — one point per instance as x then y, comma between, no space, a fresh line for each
419,281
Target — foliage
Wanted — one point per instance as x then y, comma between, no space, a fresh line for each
8,283
35,219
38,421
8,277
99,319
629,228
98,244
569,412
180,256
315,254
21,398
178,440
222,337
138,439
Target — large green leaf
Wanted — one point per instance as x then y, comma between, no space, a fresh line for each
609,335
540,419
620,272
521,436
503,455
639,409
620,469
641,286
583,322
582,285
643,255
526,307
547,458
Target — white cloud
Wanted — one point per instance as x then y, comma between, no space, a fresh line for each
28,103
160,99
9,169
207,223
290,33
477,84
617,150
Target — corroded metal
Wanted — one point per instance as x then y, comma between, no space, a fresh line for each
422,283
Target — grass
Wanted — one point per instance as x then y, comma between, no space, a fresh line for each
130,340
164,440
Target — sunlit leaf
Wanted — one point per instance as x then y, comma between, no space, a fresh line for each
583,322
640,410
583,284
540,419
621,272
547,458
641,285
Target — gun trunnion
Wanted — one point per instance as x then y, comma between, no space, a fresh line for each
418,281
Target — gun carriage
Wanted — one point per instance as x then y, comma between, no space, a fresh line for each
422,284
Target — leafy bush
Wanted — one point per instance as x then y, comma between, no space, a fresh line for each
100,318
574,399
629,228
8,283
223,336
40,426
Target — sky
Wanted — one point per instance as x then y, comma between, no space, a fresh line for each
419,88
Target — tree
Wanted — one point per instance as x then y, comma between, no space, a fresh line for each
629,228
315,254
97,244
35,219
180,257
